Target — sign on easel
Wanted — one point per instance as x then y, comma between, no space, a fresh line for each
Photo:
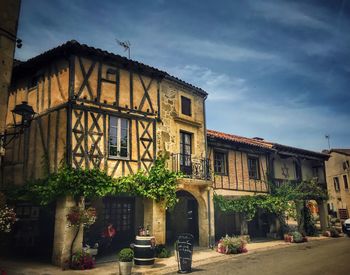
184,251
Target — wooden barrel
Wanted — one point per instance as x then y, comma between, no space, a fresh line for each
144,250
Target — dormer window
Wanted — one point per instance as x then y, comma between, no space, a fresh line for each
186,106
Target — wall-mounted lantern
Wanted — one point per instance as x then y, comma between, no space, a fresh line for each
27,114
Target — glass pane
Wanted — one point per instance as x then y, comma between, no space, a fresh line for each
124,123
113,121
187,150
187,139
113,131
123,152
113,150
113,141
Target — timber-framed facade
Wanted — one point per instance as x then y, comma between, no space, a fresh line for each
97,109
248,166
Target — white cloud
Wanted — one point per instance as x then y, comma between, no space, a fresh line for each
291,14
221,87
303,127
218,50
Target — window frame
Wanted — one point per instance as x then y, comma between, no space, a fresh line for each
336,184
346,182
257,168
119,129
182,98
224,161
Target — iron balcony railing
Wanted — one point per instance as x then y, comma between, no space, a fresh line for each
194,168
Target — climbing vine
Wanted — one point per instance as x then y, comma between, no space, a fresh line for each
158,184
249,205
280,201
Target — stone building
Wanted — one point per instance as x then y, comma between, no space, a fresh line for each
9,13
98,109
338,173
246,166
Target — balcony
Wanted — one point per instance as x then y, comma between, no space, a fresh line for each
193,168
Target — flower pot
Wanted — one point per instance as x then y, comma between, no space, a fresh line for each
125,268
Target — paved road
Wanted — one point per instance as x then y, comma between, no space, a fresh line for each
321,257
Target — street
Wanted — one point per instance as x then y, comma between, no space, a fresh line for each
322,257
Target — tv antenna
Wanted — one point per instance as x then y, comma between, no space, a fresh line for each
328,137
126,45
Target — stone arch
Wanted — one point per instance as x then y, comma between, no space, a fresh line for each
199,228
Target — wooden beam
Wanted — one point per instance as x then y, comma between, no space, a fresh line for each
71,80
57,125
131,90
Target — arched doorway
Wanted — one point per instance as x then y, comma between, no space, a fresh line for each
183,218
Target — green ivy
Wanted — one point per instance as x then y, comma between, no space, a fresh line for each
158,184
249,205
280,201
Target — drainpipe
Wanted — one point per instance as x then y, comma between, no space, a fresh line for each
206,156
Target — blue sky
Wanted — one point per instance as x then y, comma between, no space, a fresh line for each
279,70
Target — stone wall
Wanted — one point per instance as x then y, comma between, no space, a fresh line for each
335,168
9,12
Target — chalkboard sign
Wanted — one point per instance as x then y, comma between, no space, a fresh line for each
184,250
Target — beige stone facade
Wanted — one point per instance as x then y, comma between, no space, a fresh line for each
96,109
338,176
9,13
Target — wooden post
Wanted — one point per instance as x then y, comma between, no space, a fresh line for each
323,213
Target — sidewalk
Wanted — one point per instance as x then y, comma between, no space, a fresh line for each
163,266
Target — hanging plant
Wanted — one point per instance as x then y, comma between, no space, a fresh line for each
7,215
7,219
78,216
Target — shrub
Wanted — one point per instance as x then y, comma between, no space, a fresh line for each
232,245
126,255
82,260
162,251
334,232
297,237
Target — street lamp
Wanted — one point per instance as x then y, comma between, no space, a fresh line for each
27,114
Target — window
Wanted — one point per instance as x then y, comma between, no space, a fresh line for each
118,137
297,170
220,163
346,185
185,152
186,106
336,184
253,168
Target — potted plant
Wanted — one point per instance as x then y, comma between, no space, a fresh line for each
125,257
82,260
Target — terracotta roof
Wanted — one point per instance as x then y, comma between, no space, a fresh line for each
300,151
74,47
238,139
259,142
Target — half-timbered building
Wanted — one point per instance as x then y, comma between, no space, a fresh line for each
98,109
247,166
